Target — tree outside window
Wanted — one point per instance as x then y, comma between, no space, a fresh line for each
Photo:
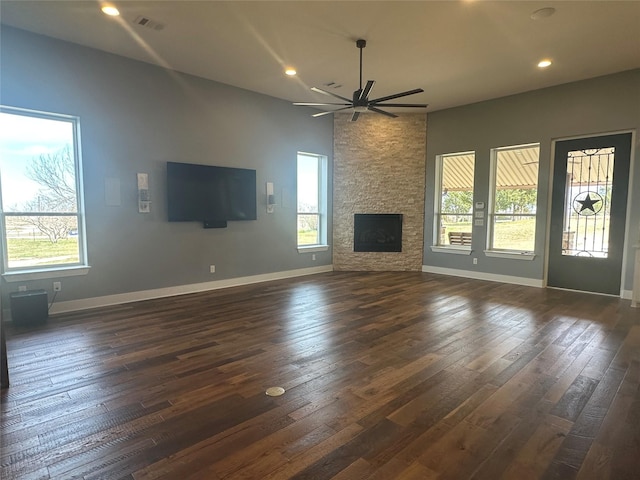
454,196
39,184
514,197
311,199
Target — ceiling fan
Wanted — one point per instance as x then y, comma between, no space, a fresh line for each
360,102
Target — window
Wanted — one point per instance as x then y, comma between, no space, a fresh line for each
587,205
454,199
312,200
513,197
40,191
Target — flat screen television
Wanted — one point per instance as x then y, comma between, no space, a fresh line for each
209,194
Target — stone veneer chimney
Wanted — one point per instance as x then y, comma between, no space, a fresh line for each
379,167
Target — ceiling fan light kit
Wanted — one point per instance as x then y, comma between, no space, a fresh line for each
360,102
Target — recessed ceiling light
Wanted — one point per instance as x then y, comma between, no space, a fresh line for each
110,10
290,71
543,13
544,63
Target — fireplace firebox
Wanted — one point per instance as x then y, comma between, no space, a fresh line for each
377,232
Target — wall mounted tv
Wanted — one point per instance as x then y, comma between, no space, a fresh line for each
209,194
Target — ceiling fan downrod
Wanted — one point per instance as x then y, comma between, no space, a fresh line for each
360,101
360,43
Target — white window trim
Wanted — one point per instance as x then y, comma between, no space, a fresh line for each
312,248
26,275
453,249
62,270
437,214
513,254
323,192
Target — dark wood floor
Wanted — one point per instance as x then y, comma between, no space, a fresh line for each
388,375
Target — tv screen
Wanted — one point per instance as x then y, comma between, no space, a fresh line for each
210,194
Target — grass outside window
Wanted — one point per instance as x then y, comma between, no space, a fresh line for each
41,251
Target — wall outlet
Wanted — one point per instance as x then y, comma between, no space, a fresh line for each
22,288
313,257
475,261
212,269
57,286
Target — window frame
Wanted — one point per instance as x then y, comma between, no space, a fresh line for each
437,246
490,250
322,200
81,267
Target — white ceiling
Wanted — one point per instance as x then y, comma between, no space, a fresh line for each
459,52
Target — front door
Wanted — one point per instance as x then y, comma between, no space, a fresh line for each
588,212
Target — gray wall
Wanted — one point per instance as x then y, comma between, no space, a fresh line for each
604,104
134,118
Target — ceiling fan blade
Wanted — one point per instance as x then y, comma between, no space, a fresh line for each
397,95
360,100
377,110
307,104
320,114
365,93
317,90
419,105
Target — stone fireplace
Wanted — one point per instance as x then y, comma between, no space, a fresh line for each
379,169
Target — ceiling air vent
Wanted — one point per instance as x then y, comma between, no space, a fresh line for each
148,23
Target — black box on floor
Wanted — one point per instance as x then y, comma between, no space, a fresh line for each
29,307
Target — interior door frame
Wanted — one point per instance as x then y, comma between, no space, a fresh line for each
626,241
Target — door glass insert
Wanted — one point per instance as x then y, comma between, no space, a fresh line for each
587,206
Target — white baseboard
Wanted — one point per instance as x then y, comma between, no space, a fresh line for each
107,300
492,277
530,282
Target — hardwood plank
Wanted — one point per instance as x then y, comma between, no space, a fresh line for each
574,449
529,448
463,449
366,442
575,398
387,375
507,344
568,377
299,463
358,470
532,459
417,471
226,444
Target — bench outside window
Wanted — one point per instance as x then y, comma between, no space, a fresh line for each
460,238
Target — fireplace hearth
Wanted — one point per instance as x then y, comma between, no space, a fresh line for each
377,232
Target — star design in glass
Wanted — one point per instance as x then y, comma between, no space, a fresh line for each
588,203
